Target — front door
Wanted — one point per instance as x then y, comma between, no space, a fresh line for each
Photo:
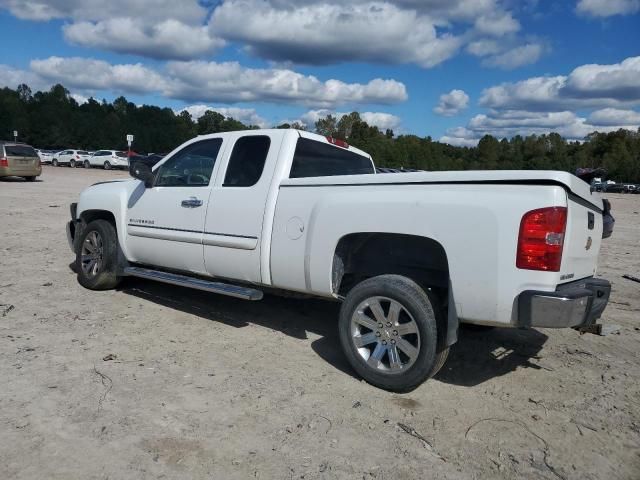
165,223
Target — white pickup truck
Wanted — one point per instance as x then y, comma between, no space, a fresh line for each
409,255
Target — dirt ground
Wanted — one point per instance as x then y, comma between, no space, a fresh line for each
204,386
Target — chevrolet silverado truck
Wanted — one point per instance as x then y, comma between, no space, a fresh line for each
409,255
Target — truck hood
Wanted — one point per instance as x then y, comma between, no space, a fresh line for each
569,182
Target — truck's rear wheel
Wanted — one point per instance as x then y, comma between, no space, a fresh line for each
97,256
389,333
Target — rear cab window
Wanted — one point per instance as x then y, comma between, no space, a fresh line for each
317,159
20,151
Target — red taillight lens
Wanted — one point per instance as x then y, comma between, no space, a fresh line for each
541,239
4,162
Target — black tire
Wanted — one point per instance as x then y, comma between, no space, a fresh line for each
421,306
30,179
54,162
105,275
72,163
87,164
107,166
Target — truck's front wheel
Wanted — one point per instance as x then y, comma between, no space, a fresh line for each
389,332
97,256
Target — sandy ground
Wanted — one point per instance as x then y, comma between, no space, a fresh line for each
204,386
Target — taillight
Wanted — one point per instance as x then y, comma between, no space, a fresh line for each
4,162
541,239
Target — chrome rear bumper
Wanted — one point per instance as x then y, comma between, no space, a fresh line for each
575,304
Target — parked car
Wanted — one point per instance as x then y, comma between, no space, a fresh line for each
45,155
72,158
292,210
19,160
107,159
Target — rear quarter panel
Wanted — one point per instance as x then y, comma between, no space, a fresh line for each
477,225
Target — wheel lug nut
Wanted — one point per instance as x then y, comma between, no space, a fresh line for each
393,342
395,332
377,334
380,325
384,342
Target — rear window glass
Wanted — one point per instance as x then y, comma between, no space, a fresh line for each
19,151
317,159
121,154
247,161
82,152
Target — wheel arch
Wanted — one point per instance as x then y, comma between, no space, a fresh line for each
363,255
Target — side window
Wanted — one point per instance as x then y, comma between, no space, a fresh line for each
190,167
317,159
247,161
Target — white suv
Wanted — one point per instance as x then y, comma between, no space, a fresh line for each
107,159
73,158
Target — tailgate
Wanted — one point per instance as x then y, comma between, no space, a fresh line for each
582,240
23,164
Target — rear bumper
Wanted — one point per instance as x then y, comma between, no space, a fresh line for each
575,304
20,171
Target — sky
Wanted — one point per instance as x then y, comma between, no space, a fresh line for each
454,70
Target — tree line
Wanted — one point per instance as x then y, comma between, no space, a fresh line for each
55,120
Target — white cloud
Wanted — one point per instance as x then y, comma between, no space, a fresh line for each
169,39
12,77
90,74
481,48
460,137
607,8
614,116
452,103
588,86
509,123
516,57
230,82
151,10
381,120
541,105
334,32
79,98
497,24
199,81
248,116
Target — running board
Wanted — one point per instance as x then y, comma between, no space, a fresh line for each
197,283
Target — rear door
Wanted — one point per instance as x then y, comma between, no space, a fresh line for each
234,224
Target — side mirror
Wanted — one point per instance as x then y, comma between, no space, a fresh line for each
142,172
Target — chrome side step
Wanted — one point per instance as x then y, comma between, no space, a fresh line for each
197,283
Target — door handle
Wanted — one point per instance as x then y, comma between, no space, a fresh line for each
192,202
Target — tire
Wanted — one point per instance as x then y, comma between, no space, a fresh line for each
107,166
416,353
30,179
87,164
54,162
100,241
72,163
